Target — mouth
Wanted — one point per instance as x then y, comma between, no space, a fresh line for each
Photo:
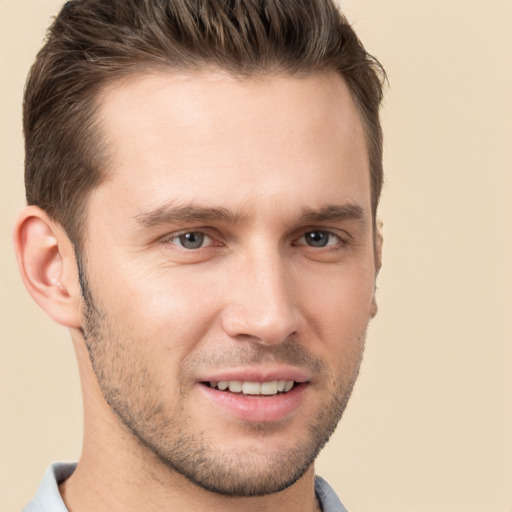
253,388
260,396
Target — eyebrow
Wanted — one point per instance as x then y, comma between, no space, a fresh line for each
169,214
334,213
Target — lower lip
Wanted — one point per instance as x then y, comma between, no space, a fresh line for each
257,408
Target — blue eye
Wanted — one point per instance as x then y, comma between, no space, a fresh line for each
191,240
319,239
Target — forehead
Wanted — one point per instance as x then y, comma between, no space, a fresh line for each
211,133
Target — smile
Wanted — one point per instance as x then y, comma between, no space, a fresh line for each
249,395
268,388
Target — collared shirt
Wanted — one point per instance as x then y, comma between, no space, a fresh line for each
48,498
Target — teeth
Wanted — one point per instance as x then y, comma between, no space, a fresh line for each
254,388
288,386
235,386
251,388
269,388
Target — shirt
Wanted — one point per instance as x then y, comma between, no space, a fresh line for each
48,498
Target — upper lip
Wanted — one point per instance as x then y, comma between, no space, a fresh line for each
258,374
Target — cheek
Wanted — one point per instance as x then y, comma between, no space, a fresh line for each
338,313
340,303
168,307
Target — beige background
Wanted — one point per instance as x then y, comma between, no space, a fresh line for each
430,425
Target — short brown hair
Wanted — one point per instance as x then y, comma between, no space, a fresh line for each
92,43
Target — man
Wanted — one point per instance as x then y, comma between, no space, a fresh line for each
202,182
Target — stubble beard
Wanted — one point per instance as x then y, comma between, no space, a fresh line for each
132,392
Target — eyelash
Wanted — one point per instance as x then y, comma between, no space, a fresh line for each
322,232
179,238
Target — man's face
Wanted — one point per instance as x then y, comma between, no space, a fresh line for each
228,258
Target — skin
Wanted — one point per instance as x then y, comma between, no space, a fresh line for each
281,162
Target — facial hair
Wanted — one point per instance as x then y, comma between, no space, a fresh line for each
136,397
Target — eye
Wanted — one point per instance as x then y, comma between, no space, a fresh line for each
191,240
318,238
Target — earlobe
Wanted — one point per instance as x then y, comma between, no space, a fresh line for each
48,266
374,308
378,242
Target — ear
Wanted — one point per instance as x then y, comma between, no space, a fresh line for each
47,263
378,242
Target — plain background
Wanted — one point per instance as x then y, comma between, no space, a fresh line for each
429,427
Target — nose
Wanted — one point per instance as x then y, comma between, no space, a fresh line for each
261,305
